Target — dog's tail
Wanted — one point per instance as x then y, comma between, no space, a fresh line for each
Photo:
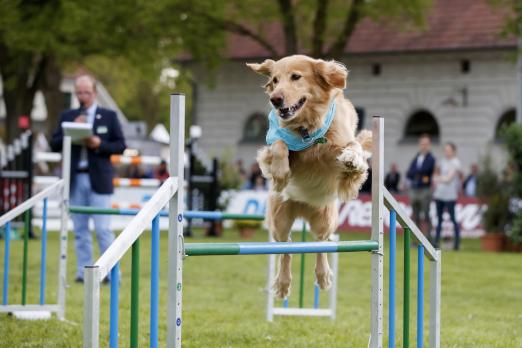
365,139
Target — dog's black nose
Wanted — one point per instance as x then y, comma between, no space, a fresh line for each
277,100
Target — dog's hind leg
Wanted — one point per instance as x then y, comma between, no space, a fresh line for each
280,218
323,223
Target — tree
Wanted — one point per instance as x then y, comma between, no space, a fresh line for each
320,28
39,39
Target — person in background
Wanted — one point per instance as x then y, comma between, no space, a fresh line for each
420,174
392,179
161,173
243,177
469,185
447,186
91,168
256,178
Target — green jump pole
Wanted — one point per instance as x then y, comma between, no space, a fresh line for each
406,309
301,283
135,288
24,266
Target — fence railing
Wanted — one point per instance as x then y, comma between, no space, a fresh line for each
60,187
424,249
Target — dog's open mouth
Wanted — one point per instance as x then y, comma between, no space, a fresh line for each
290,111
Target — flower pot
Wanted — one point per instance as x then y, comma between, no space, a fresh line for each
493,241
509,245
246,232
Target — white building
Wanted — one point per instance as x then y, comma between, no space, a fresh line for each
456,80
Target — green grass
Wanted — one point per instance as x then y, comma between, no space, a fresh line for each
224,301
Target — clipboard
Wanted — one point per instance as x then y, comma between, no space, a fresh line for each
76,130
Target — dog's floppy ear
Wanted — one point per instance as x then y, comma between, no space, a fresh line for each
330,74
264,68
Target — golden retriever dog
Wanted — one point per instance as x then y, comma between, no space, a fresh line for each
305,93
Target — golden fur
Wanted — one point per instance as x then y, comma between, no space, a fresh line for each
307,183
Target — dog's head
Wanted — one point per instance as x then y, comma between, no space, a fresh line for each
297,83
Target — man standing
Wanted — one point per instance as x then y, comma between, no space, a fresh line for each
91,168
420,174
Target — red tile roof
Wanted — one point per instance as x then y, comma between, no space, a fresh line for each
451,25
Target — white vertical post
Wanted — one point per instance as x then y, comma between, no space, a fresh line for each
377,232
333,290
175,247
91,315
435,295
269,283
64,206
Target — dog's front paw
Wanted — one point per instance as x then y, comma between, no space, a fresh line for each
352,161
280,182
280,171
324,278
282,287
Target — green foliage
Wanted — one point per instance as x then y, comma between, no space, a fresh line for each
512,136
495,194
229,178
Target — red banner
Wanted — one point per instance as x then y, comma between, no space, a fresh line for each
356,215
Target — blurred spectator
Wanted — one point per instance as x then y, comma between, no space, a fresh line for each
260,184
255,177
393,178
161,173
469,186
447,186
243,177
420,174
135,171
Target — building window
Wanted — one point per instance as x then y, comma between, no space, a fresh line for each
465,66
504,121
376,69
255,128
421,122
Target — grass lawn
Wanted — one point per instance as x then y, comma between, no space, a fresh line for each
224,300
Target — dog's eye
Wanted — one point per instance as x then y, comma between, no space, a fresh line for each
295,77
275,80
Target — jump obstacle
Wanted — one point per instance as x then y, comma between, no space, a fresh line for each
178,250
271,309
170,193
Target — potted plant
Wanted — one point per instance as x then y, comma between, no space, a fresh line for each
512,138
494,196
247,228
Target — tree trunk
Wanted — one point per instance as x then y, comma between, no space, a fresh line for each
21,75
54,98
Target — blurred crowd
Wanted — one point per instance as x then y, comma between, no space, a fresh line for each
427,179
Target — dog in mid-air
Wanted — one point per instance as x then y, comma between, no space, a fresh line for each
313,157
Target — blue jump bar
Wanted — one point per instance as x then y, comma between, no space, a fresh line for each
7,238
316,296
43,253
154,283
115,294
420,296
391,293
287,248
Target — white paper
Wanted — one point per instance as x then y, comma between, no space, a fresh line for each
77,130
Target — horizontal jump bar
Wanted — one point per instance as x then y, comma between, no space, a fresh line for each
208,215
202,249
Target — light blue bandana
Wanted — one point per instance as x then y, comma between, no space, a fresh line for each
294,141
